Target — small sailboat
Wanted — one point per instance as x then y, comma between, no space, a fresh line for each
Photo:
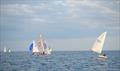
39,47
98,45
9,50
5,50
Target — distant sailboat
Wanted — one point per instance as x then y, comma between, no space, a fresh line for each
9,50
39,47
5,50
98,45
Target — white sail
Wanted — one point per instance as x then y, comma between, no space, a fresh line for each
98,45
35,48
40,45
9,50
5,49
48,50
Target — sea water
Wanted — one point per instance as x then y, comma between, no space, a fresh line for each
60,61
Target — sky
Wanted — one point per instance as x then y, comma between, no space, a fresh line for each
66,25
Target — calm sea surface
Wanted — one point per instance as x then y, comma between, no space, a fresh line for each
60,61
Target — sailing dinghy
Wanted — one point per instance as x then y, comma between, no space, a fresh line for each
39,47
98,45
5,50
9,50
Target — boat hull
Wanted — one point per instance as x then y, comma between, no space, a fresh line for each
101,56
47,51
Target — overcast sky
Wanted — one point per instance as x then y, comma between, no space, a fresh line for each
65,24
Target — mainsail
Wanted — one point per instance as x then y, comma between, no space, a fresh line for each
40,44
98,45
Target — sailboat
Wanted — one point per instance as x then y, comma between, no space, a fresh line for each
98,45
39,47
9,50
5,50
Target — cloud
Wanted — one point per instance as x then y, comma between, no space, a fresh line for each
22,9
75,13
97,5
94,15
17,9
72,5
38,20
62,3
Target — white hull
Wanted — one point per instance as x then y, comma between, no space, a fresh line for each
101,56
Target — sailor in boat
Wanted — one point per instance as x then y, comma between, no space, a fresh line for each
104,54
43,53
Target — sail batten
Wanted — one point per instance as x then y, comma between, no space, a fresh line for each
98,45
